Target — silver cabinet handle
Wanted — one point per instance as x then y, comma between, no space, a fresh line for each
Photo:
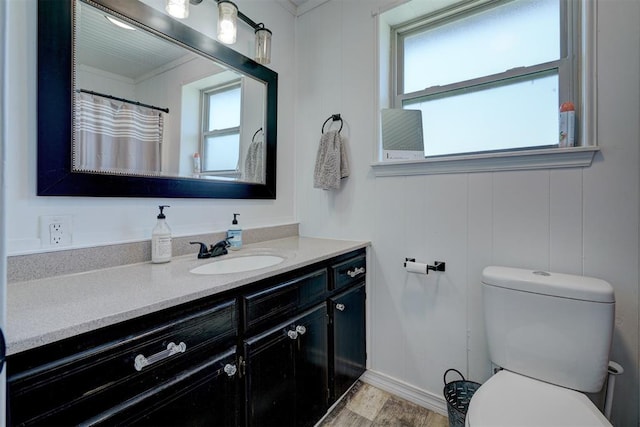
230,369
301,329
353,273
141,361
292,334
340,307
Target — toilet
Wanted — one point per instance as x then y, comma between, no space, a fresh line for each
550,336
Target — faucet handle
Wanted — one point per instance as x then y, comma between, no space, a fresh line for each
224,242
219,248
204,251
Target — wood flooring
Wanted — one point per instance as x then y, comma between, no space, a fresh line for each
367,406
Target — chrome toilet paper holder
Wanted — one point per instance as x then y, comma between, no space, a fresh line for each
438,265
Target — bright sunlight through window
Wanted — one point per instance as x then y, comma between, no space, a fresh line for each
221,128
487,78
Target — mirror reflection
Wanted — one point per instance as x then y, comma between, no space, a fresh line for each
147,107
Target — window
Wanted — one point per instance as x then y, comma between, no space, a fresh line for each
489,75
221,128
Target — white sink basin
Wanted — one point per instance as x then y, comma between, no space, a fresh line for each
238,264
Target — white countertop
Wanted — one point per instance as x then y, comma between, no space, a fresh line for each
47,310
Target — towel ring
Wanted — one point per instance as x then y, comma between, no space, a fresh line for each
333,117
253,138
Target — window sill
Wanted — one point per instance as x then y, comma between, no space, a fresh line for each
548,158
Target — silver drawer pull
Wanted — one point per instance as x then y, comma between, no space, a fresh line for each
292,334
301,329
141,361
340,307
355,272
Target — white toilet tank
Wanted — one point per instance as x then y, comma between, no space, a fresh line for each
549,326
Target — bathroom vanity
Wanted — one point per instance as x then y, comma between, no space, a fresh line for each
274,346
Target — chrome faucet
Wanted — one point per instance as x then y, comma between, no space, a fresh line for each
214,250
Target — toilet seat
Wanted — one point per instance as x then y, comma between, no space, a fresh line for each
509,399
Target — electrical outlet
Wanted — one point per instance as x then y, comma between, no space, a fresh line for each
55,230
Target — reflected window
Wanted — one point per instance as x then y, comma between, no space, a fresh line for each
220,142
490,77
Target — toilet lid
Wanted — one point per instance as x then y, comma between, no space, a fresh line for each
508,399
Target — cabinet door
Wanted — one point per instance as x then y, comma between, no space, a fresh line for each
349,338
286,372
312,367
205,395
269,385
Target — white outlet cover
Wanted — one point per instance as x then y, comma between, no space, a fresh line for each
46,222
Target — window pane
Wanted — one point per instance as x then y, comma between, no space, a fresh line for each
517,34
517,115
224,109
221,152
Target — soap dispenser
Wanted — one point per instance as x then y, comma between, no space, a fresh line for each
234,235
161,239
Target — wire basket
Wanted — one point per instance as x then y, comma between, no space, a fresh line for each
458,395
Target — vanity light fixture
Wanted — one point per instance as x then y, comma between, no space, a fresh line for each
177,8
228,15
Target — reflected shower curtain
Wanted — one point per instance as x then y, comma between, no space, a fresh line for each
116,137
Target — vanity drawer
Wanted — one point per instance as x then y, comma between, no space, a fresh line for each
98,377
203,395
349,272
275,302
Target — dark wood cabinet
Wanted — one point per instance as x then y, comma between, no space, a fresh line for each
276,303
348,272
349,339
269,380
73,381
277,352
286,369
204,395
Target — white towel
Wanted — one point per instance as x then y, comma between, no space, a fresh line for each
332,163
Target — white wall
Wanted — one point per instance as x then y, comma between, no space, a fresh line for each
109,220
583,221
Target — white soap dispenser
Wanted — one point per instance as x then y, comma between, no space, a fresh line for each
161,239
234,234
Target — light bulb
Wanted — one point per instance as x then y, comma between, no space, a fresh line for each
227,22
177,8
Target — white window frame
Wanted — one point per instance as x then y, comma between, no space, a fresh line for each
205,94
578,52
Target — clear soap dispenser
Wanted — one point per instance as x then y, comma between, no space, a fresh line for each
161,239
234,235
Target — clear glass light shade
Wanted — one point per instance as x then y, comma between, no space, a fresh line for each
263,46
227,22
177,8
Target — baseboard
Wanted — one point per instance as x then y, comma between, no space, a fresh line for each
406,391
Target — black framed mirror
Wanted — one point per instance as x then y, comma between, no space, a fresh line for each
57,91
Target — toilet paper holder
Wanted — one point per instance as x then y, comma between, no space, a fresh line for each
438,265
